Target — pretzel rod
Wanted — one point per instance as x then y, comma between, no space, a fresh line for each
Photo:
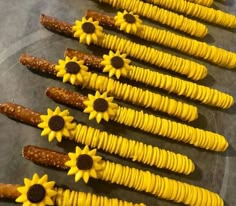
203,2
218,56
161,16
185,67
40,66
20,113
8,191
153,124
119,91
139,180
45,157
192,90
65,196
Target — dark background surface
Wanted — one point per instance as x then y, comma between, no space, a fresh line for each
21,32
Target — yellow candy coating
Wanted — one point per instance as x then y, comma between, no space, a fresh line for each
203,2
194,10
74,198
161,187
213,54
160,15
171,129
181,87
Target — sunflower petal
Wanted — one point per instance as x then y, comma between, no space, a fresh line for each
51,136
48,201
86,177
78,175
43,179
22,198
45,132
99,117
72,171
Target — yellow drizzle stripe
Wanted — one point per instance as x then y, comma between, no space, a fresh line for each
162,16
131,149
186,67
218,56
142,97
158,186
74,198
181,87
194,10
203,2
173,130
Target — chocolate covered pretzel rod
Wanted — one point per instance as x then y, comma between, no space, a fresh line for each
206,14
178,86
161,16
83,161
213,54
152,124
115,88
131,149
39,191
185,67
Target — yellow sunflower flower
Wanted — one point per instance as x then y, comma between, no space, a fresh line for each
84,163
36,192
88,31
72,70
116,64
128,22
57,124
100,107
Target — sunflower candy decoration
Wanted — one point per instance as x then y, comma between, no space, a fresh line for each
128,22
84,163
87,30
116,64
100,107
57,124
36,192
72,70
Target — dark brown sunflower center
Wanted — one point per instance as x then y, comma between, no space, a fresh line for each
72,68
117,62
56,123
36,193
88,27
84,162
100,105
129,18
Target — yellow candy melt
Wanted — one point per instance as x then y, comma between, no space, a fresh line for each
73,198
158,186
218,56
194,10
181,87
173,130
160,15
203,2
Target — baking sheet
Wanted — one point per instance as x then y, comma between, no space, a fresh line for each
21,32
